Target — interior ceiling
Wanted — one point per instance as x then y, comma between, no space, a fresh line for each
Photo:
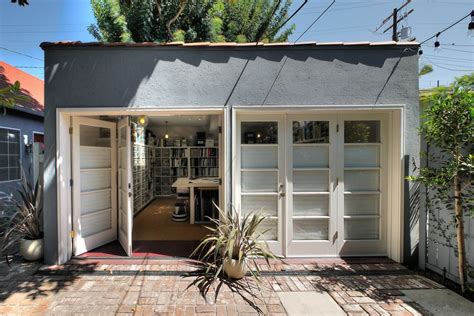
179,120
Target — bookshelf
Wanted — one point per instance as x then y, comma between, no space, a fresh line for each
143,160
155,169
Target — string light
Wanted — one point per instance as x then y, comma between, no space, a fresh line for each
470,27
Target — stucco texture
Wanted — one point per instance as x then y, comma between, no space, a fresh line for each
151,77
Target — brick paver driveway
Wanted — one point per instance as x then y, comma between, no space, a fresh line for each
166,287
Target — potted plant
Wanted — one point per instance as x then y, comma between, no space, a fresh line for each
23,224
234,244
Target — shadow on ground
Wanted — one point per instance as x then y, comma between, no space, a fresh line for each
20,282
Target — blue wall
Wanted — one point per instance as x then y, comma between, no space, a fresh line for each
27,124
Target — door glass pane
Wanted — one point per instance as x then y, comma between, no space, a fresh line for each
270,225
361,156
94,136
363,204
310,132
362,131
310,205
361,180
361,228
311,157
259,157
259,133
262,181
310,229
263,204
311,181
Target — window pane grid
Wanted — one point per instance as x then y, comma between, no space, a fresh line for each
362,180
9,154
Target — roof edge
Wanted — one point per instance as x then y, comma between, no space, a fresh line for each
46,45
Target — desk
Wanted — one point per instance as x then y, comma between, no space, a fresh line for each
195,183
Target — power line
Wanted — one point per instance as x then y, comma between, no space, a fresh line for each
316,20
447,68
446,28
29,67
23,54
449,58
451,49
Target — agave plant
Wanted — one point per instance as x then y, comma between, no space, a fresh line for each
235,238
24,218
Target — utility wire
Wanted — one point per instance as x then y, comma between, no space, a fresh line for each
447,28
447,68
316,20
15,52
286,57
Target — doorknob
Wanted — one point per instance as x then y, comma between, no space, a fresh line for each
281,190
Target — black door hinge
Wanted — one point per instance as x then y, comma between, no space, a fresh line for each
71,182
70,130
337,128
220,129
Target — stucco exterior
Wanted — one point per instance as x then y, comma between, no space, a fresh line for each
287,76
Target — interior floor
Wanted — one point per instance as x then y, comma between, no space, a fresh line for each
154,223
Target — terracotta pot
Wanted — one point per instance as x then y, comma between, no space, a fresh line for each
31,250
234,269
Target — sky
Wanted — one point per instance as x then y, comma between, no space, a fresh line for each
22,29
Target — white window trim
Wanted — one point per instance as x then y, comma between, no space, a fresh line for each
20,153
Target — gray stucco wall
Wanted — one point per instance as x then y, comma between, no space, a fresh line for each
209,76
27,124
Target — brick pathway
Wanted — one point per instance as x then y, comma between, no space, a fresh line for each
163,287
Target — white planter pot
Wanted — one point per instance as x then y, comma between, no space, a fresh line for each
234,269
31,250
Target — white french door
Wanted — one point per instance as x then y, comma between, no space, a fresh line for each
320,179
312,175
94,183
125,188
362,168
260,173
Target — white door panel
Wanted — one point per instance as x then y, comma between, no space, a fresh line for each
94,188
311,162
363,147
260,173
125,188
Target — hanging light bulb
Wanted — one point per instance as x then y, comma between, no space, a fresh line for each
166,130
437,43
143,120
470,27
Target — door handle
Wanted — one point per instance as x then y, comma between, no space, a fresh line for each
281,190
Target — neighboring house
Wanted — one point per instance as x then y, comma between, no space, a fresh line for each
20,127
319,135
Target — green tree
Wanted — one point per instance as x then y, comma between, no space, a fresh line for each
11,95
21,3
448,126
190,20
426,69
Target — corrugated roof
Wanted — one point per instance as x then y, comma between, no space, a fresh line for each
30,86
45,45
